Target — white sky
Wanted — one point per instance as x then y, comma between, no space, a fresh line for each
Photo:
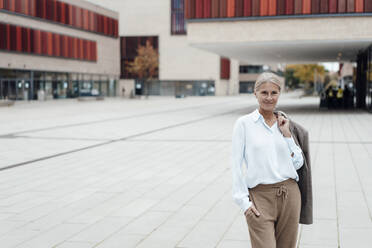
331,66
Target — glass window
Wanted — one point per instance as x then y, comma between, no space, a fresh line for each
178,25
254,69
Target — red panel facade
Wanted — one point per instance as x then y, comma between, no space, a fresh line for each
239,8
225,68
57,45
190,9
367,6
27,40
350,6
199,9
306,7
81,49
272,7
3,36
255,7
289,7
264,8
223,8
18,39
54,10
359,6
341,6
94,51
18,5
11,5
281,7
207,4
215,10
298,7
44,42
332,6
247,8
230,8
37,41
315,6
324,7
70,14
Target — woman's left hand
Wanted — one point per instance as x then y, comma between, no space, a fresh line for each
283,124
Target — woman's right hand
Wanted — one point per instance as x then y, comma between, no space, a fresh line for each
253,209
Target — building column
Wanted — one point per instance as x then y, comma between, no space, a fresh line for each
361,80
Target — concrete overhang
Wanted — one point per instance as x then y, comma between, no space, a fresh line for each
284,40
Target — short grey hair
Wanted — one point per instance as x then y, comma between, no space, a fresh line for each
268,77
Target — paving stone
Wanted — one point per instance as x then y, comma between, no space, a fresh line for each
155,174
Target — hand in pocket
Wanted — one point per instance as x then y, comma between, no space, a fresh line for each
253,209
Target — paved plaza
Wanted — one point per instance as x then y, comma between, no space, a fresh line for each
155,173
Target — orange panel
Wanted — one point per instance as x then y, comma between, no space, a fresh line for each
359,6
272,7
230,8
264,8
306,7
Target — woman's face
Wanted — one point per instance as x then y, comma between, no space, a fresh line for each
267,95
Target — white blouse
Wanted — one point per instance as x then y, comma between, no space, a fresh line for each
260,155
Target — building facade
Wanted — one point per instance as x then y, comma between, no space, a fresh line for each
183,70
288,32
57,49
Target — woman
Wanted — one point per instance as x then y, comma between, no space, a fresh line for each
267,190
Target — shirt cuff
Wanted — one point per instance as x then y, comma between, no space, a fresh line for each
291,143
246,204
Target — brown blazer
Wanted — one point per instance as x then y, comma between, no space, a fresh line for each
301,138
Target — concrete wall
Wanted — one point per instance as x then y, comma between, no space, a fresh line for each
178,61
108,57
128,85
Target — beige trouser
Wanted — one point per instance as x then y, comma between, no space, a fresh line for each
279,205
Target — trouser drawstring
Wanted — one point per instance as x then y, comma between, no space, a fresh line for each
282,190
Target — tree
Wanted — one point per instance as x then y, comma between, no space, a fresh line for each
307,74
290,79
145,65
